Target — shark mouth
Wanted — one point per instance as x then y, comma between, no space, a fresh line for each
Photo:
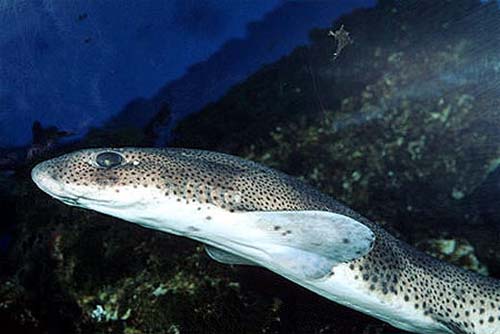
48,184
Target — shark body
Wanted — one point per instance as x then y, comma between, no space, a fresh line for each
249,214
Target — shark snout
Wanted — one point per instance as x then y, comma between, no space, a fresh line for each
46,181
39,174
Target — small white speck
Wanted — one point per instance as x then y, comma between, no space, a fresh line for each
160,291
98,313
135,163
237,198
457,194
126,315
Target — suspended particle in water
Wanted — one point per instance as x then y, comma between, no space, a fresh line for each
342,39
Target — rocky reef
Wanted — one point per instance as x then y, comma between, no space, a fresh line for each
401,125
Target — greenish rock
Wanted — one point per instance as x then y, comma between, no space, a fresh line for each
457,251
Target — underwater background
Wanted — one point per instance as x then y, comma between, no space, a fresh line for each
391,107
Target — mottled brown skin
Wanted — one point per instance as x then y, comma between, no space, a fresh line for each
462,301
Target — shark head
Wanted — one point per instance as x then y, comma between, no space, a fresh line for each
141,185
240,207
88,177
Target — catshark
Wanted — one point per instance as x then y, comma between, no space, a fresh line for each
246,213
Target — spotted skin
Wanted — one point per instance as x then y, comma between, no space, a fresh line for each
452,299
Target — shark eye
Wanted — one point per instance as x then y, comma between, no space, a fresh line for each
109,159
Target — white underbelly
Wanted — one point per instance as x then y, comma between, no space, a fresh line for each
209,224
344,289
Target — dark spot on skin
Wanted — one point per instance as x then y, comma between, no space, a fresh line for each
276,228
345,241
208,218
193,229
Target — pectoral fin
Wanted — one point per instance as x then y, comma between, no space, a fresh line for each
225,257
311,243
